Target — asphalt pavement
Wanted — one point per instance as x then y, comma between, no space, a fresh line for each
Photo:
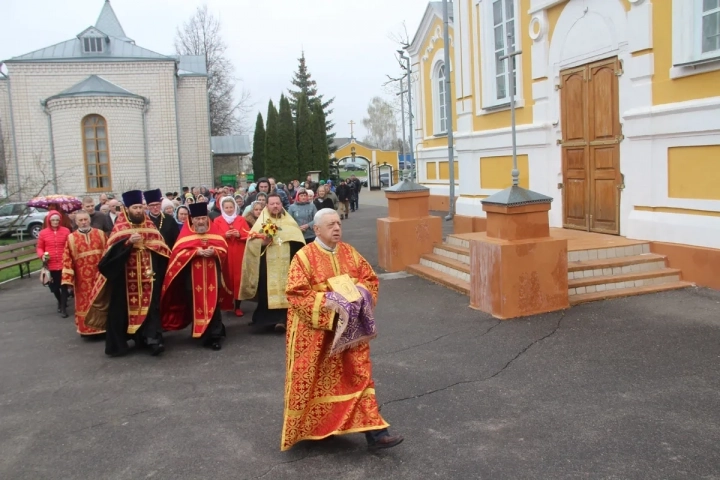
620,389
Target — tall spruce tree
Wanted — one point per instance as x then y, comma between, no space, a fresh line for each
258,158
302,79
321,153
287,141
305,134
272,141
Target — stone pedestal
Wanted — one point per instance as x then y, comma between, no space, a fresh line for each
516,268
409,231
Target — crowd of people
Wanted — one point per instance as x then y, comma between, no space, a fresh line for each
157,263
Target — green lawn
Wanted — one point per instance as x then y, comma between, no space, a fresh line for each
344,174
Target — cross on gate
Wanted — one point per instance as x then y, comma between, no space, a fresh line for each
352,130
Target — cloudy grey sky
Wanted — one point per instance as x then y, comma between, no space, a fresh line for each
346,42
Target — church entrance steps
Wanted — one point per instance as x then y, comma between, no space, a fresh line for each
599,266
444,279
453,252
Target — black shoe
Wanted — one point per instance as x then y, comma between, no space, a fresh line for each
387,441
156,349
214,345
63,313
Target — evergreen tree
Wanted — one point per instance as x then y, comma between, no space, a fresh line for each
287,142
302,79
272,142
258,158
305,134
321,153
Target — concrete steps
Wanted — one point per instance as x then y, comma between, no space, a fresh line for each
593,274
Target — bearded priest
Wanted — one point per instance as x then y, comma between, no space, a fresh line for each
273,242
194,285
126,296
329,389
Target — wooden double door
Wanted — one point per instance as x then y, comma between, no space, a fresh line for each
591,136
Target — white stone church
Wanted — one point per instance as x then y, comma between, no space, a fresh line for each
99,113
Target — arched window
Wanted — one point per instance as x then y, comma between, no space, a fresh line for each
97,153
440,114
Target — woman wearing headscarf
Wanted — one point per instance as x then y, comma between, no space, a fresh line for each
181,215
168,208
235,230
50,248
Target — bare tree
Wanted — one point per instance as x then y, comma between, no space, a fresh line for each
201,36
381,124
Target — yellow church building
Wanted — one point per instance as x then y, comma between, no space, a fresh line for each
618,112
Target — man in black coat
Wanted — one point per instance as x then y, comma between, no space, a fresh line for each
166,224
343,193
358,186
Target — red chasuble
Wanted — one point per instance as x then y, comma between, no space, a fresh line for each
82,255
207,286
232,269
138,269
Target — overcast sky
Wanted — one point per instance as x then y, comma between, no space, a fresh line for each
346,42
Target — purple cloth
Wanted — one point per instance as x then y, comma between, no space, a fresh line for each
356,323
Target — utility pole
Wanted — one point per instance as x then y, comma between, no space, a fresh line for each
448,109
510,57
410,110
402,118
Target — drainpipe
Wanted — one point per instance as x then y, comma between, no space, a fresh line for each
52,146
177,127
14,137
212,159
147,157
448,109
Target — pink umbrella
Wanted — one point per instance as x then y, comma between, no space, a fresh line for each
66,203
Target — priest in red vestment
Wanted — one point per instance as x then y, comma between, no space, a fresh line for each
235,229
83,251
329,389
127,293
194,284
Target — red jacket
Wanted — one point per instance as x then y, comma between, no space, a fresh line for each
53,242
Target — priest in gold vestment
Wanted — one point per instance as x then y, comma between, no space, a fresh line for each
329,389
273,242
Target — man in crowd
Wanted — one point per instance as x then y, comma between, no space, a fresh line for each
97,219
329,389
274,188
194,286
114,210
343,193
266,262
263,186
127,291
103,201
164,223
356,198
83,251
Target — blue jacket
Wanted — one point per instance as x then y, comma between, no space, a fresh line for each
304,213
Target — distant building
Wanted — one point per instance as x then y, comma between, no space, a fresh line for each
99,113
231,158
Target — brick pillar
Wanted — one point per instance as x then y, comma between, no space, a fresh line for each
517,269
409,231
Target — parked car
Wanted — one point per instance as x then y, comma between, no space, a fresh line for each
18,217
354,167
385,179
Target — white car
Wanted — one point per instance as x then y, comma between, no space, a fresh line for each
18,217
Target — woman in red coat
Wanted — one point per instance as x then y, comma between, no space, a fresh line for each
235,230
50,248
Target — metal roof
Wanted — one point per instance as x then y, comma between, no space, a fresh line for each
109,23
231,145
339,142
94,86
407,185
117,47
191,65
515,196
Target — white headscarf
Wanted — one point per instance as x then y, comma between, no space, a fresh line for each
228,218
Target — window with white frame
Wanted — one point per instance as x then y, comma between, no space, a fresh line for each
710,27
440,96
696,31
93,44
498,19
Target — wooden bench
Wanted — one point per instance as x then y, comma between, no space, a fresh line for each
18,254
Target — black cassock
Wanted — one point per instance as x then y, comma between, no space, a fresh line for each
112,267
263,316
168,228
